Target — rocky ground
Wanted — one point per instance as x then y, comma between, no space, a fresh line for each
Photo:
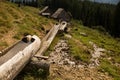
64,67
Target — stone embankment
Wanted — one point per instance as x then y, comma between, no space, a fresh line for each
96,55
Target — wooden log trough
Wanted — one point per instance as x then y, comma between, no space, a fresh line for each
12,66
23,51
47,40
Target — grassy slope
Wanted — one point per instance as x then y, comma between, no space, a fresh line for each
103,40
79,46
25,20
16,22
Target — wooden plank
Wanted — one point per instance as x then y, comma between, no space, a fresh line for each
48,40
42,57
44,9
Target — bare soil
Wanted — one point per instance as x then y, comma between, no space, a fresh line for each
8,38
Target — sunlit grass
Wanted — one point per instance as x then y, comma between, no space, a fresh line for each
103,40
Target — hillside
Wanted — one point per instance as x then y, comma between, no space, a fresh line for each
81,53
103,49
15,22
94,51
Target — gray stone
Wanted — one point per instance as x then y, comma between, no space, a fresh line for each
83,34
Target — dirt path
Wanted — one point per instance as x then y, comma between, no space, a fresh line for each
8,36
64,72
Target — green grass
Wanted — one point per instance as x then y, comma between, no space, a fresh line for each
3,30
3,44
24,19
54,42
78,52
32,73
106,66
101,39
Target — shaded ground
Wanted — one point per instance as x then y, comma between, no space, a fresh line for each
64,72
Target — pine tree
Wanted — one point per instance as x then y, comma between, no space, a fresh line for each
117,21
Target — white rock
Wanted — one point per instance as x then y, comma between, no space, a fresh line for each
80,66
83,34
0,52
68,36
90,42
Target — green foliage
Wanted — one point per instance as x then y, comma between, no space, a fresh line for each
5,23
3,30
116,29
28,77
32,72
3,44
78,52
92,14
106,66
101,39
17,36
25,20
